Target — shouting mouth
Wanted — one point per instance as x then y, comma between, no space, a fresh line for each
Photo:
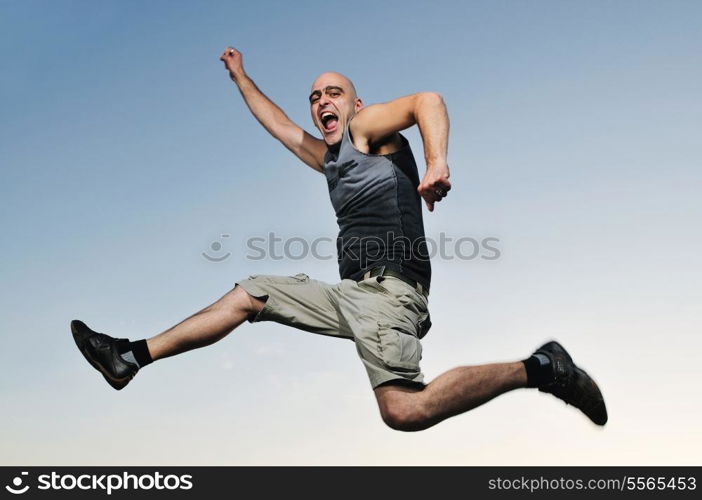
329,121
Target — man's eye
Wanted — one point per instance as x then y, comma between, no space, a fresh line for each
314,99
334,94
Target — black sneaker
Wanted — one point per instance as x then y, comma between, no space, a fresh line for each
573,385
101,352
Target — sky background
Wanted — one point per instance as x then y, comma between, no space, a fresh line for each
126,152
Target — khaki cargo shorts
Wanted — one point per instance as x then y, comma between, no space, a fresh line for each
384,316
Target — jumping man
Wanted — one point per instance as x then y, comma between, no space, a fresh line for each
381,302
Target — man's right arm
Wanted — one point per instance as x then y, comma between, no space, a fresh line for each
309,149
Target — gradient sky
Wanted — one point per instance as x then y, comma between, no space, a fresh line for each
126,152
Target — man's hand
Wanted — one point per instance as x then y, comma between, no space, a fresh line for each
435,185
233,62
309,149
428,111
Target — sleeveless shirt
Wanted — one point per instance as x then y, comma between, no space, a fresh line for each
378,210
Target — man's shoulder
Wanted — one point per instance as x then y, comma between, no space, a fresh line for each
388,144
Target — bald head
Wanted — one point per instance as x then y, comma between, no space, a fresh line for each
333,76
333,102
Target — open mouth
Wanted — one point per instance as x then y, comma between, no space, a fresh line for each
329,121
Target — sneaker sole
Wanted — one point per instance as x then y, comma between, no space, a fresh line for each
596,419
80,339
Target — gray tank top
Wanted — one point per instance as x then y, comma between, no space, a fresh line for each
378,210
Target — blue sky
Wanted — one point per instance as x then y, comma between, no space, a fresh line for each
126,152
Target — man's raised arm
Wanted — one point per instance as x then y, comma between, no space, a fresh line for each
309,149
378,122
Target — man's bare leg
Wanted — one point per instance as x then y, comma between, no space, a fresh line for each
207,326
451,393
550,369
119,360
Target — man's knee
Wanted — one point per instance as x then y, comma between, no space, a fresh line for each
405,418
239,300
250,303
402,409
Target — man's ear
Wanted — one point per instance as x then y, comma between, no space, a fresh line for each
358,105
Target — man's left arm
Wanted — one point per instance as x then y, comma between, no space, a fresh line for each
427,110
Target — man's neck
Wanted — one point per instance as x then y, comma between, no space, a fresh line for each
334,148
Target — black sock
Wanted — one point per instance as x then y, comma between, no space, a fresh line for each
135,352
539,370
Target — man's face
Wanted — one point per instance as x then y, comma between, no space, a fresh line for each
333,103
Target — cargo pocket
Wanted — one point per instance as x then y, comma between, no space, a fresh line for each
399,350
423,325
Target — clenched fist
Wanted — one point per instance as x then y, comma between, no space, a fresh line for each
435,185
233,62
